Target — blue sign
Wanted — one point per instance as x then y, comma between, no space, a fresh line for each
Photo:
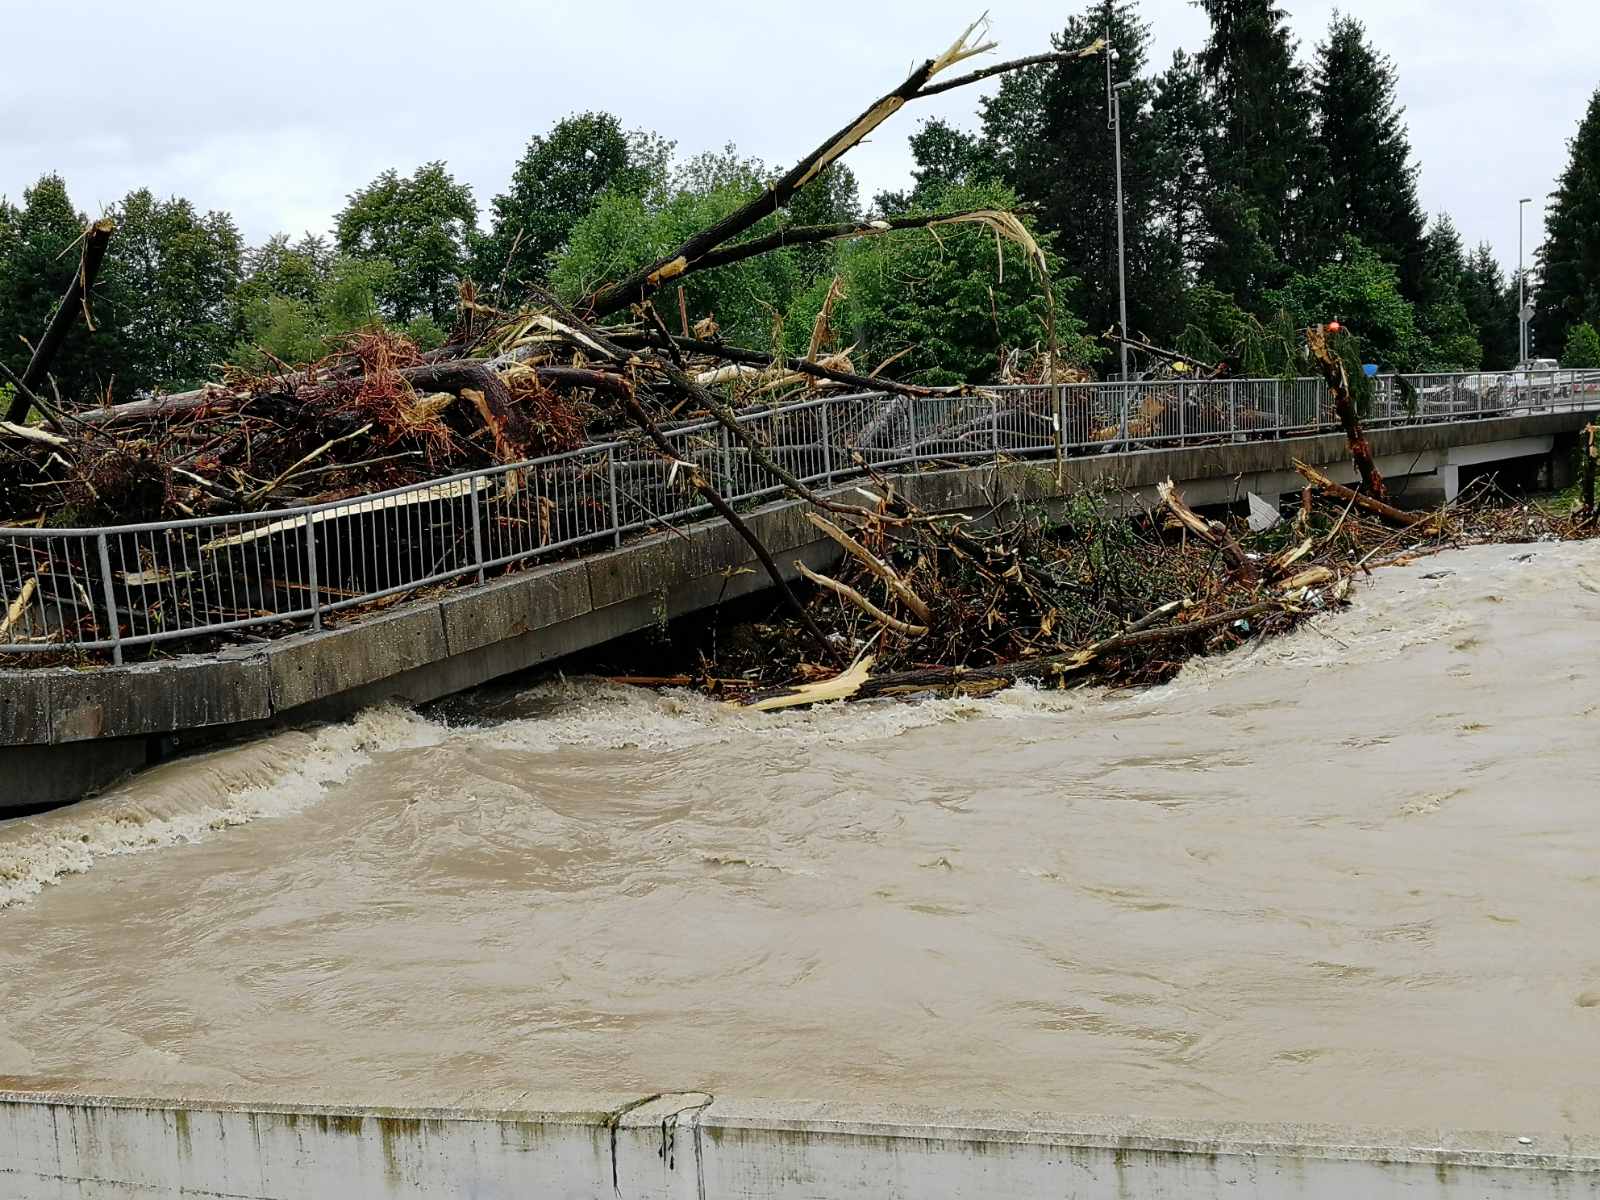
1371,370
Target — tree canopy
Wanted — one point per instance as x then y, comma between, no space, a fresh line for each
1260,188
1569,260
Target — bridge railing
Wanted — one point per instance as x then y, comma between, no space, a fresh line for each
121,587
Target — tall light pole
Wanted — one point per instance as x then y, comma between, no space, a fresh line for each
1122,252
1522,286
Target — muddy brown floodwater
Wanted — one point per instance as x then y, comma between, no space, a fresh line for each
1352,876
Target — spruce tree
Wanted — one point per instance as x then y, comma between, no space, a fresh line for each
1449,340
1049,135
1181,116
1263,161
1483,291
1371,186
1569,260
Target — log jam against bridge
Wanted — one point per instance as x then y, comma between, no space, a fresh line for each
1071,677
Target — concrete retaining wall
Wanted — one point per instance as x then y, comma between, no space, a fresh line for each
693,1147
423,650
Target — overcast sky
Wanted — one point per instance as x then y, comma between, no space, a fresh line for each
275,112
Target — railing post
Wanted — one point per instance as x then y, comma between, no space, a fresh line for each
611,487
111,597
994,426
729,488
1183,415
1277,409
311,572
827,439
911,429
477,526
1233,412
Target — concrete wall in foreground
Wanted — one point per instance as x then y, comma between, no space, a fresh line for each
692,1147
63,731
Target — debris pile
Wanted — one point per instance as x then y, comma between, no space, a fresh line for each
1105,592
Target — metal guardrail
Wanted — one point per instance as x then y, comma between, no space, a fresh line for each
127,586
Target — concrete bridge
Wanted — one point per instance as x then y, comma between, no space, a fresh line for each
65,732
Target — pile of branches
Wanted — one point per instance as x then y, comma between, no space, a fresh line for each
1108,592
507,386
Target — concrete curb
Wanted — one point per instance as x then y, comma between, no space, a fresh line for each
695,1146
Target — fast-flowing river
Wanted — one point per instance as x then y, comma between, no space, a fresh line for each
1352,875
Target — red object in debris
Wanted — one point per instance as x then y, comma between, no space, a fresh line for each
1334,327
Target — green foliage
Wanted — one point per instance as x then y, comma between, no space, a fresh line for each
1046,132
1362,291
554,185
1569,259
1180,116
421,225
1489,308
1370,191
944,156
625,231
37,258
1449,341
169,280
299,326
943,296
1262,162
1583,348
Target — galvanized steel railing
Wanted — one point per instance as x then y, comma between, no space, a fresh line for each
126,586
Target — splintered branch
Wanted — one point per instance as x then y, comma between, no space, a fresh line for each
1333,371
1371,504
95,239
642,283
867,606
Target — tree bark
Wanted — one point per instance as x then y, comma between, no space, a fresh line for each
1339,384
76,300
1372,505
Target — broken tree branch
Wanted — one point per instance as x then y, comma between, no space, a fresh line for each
1332,368
616,296
76,300
1377,507
867,606
1214,532
877,566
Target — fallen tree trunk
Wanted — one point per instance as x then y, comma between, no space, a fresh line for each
1214,532
218,397
803,366
1370,504
687,257
95,240
1338,381
858,685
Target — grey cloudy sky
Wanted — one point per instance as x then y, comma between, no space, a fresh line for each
276,112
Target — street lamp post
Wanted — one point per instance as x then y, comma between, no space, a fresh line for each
1122,253
1522,286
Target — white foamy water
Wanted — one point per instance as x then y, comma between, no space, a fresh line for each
1349,875
185,800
